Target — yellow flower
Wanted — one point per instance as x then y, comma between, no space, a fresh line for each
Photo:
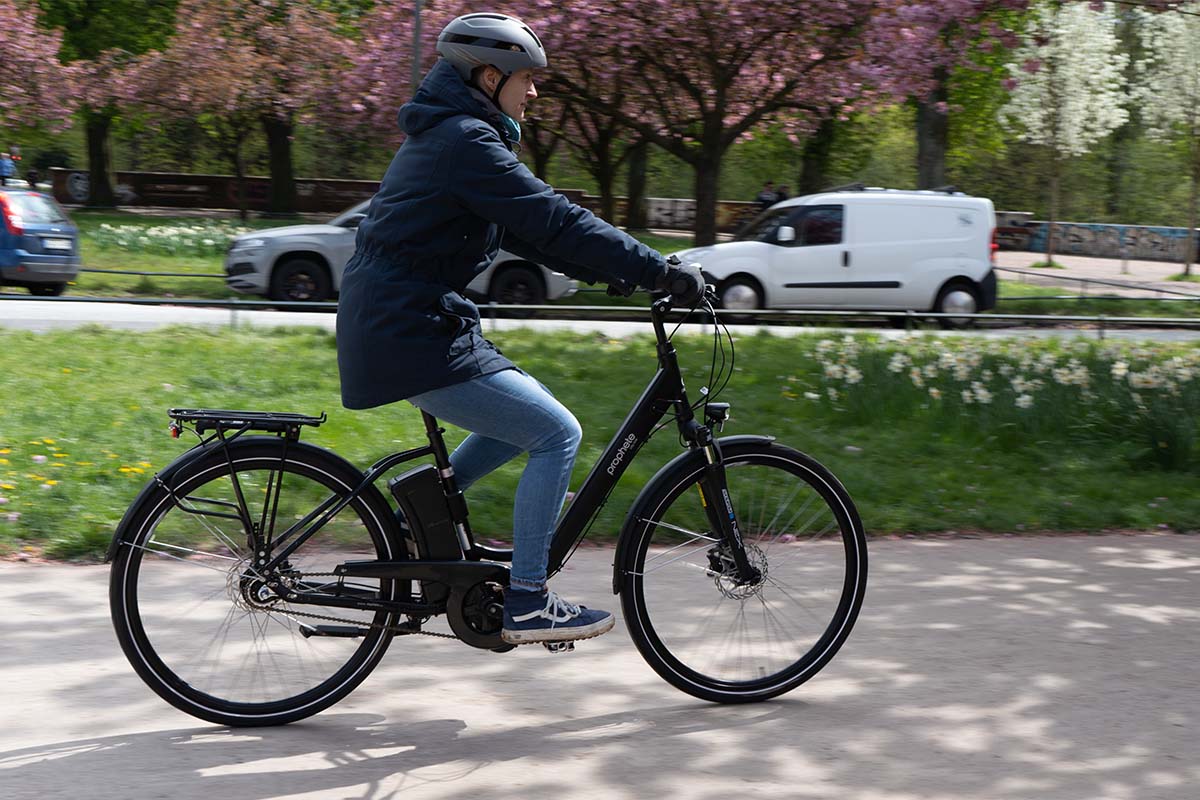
5,451
83,463
124,469
60,455
52,483
7,486
3,460
48,441
144,464
66,370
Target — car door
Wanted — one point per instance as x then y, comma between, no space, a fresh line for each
342,246
809,270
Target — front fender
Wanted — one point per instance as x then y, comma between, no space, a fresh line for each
680,462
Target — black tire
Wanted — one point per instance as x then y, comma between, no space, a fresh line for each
519,284
195,622
301,280
956,297
47,289
722,642
741,293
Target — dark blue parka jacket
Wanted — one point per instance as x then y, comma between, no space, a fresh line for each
453,194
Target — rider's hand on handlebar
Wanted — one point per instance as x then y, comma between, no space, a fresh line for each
684,282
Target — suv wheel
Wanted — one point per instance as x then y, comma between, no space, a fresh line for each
301,280
518,285
48,289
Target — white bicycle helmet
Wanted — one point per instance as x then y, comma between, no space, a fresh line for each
497,40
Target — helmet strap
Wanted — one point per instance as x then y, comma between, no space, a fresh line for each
499,86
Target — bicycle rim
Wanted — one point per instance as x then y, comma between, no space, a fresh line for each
197,620
726,642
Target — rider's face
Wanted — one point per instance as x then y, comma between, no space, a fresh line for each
517,93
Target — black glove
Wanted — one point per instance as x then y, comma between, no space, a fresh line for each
684,282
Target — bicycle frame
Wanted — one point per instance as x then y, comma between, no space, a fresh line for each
665,391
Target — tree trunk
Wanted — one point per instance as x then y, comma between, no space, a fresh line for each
708,170
282,199
1055,170
541,144
635,211
814,161
100,188
933,133
1190,255
239,168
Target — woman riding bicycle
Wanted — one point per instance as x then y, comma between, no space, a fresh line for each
454,194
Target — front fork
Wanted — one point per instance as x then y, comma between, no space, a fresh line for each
718,505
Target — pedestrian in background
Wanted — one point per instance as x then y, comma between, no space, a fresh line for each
766,197
7,168
782,194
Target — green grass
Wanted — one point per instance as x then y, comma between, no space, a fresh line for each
88,425
1014,300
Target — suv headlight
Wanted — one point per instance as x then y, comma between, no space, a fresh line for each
248,244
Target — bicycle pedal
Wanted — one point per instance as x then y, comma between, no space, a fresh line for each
559,647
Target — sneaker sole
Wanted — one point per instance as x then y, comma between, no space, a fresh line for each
559,634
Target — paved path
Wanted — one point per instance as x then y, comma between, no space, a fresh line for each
999,668
1149,276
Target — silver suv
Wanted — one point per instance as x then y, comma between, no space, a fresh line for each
305,263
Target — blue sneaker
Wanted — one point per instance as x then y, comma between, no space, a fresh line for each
545,617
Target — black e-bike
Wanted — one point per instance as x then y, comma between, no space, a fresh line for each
258,579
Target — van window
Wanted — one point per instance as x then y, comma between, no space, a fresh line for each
816,225
762,228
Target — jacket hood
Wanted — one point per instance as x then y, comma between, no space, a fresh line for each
444,94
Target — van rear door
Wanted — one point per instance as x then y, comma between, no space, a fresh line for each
808,271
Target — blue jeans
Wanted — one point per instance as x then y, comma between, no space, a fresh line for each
509,413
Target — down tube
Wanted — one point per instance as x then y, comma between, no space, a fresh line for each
655,401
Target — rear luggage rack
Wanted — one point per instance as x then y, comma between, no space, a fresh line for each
211,419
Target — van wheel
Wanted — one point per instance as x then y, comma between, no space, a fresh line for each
956,298
48,289
301,280
741,294
518,285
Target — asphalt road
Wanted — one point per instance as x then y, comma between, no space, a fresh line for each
1003,668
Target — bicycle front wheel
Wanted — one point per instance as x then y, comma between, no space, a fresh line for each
200,623
702,630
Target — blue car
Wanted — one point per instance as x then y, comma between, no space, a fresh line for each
39,247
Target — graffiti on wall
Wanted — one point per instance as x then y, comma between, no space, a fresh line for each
1143,243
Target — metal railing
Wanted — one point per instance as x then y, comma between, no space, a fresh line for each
1086,282
762,317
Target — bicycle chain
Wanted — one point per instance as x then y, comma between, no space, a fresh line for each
394,629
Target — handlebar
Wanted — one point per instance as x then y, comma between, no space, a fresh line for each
622,289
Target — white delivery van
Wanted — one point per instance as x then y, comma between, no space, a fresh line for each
860,248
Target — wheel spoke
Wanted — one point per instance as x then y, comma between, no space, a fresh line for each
716,636
219,640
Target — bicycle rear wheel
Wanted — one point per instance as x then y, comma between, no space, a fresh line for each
198,621
725,642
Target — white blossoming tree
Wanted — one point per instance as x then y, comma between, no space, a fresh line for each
1168,91
1068,86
